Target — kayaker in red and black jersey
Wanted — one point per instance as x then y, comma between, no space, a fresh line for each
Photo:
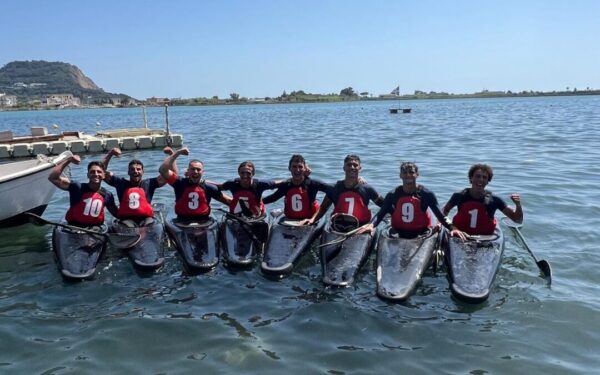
350,196
409,205
249,190
192,193
477,206
135,195
300,191
86,200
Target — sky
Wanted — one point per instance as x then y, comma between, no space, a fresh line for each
258,48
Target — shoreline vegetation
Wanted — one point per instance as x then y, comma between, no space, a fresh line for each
346,95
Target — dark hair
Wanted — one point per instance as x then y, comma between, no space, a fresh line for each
351,157
136,162
96,163
484,167
247,163
408,165
196,161
297,159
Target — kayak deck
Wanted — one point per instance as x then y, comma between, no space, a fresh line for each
77,253
287,242
242,240
401,263
148,253
196,243
341,261
473,264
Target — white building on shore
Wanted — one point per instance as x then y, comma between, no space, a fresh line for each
64,100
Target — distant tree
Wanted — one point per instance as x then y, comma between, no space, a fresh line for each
234,96
364,94
348,91
216,97
284,95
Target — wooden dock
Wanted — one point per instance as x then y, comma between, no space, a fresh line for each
80,143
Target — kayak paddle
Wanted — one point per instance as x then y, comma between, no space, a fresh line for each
543,265
342,238
118,240
246,225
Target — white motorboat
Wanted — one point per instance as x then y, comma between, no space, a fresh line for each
24,187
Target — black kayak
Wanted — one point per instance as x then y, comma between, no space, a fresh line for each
401,263
196,242
287,242
77,253
148,253
343,255
242,239
473,264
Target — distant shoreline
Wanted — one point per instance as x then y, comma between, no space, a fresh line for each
317,98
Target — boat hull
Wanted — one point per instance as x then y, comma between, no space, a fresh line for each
341,261
472,265
77,253
287,242
401,263
148,253
24,187
196,243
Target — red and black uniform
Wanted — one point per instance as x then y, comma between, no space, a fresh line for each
252,195
134,198
353,201
475,216
87,205
410,215
300,200
192,200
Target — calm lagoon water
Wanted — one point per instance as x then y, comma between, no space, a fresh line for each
240,322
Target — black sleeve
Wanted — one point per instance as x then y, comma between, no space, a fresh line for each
275,196
386,208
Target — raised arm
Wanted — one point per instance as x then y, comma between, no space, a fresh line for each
56,177
161,180
516,214
166,168
109,155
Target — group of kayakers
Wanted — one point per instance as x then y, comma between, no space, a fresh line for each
408,204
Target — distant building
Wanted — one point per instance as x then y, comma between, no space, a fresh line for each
7,100
62,100
157,101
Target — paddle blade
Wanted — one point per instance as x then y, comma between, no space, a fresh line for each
123,240
546,269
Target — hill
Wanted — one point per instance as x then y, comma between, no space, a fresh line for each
33,80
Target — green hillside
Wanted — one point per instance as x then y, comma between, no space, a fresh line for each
33,80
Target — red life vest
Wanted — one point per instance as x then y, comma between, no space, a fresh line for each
89,210
408,216
297,204
472,218
134,203
351,203
248,196
193,202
